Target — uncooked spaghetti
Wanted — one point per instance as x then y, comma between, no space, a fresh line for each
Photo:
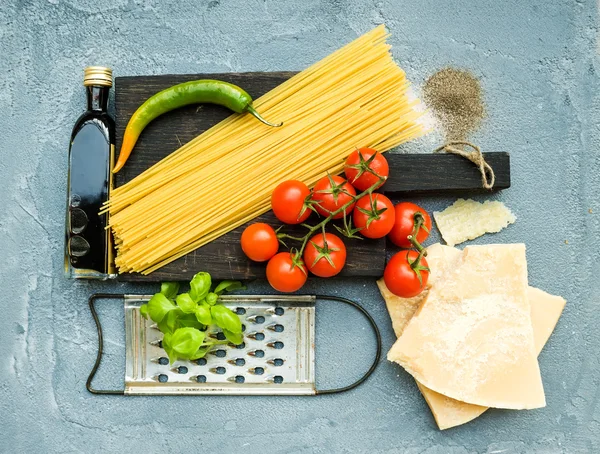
355,97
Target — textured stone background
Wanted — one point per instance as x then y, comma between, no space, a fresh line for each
538,64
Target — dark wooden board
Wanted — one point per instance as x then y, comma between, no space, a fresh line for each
409,173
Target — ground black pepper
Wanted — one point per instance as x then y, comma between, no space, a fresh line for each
455,98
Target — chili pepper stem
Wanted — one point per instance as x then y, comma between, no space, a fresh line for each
254,113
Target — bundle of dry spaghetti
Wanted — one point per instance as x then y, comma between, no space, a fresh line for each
355,97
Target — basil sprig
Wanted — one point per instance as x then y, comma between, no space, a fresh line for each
184,318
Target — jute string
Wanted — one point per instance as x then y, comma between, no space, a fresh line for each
475,156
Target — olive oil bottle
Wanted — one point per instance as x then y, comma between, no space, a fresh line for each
88,244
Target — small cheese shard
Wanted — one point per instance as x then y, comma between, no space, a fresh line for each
467,219
401,310
472,339
545,312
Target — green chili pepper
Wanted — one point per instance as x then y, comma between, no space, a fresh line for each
193,92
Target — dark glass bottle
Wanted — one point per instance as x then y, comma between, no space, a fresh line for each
88,245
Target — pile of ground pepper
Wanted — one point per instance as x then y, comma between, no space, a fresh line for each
455,97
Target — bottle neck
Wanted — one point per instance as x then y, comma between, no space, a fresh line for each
97,98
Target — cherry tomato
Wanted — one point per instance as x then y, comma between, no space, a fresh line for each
331,193
401,279
316,253
284,275
259,242
287,202
374,215
357,166
405,223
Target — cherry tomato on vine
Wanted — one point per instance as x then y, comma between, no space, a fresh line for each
405,223
358,165
401,278
285,273
331,193
325,256
374,215
288,202
259,242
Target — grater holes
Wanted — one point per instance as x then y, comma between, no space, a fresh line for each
259,336
241,346
218,370
239,379
259,319
278,345
257,353
220,336
243,328
240,362
257,370
201,362
278,328
180,369
278,379
220,353
240,311
279,311
201,378
163,378
163,361
276,362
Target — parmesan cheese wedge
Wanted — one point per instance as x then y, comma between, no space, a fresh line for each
467,219
545,312
472,339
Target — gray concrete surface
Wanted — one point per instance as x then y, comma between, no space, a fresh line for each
538,64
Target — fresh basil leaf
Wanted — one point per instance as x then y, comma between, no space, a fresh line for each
169,289
212,298
200,353
226,319
185,342
228,286
166,345
234,338
189,321
203,314
169,323
200,286
158,306
144,311
186,303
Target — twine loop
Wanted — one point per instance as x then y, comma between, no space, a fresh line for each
475,156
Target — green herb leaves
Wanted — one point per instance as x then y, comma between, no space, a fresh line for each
200,286
184,319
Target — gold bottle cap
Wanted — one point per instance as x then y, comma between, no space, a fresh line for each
97,75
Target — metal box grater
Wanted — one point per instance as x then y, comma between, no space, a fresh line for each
277,356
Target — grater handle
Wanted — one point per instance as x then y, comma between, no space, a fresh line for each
377,340
88,383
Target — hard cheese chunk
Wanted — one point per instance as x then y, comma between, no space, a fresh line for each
545,312
467,219
401,310
472,339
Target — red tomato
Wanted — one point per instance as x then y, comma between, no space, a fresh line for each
374,215
405,223
401,279
284,275
287,202
357,168
259,242
316,253
331,193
